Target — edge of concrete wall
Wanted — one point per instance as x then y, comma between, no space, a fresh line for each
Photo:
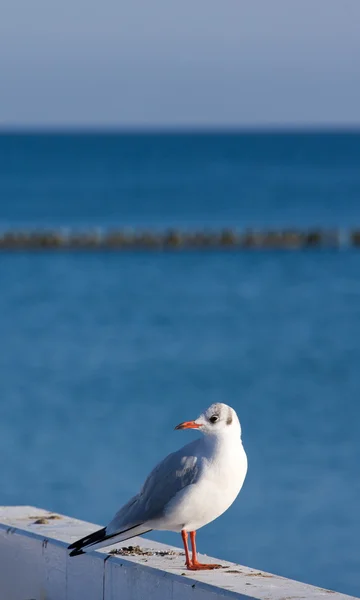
35,565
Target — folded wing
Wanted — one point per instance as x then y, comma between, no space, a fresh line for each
169,477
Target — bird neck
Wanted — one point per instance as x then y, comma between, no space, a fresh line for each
223,440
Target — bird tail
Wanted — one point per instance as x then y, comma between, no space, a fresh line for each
100,539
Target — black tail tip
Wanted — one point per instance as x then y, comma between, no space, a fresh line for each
76,552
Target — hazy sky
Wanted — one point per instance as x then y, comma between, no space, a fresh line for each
191,62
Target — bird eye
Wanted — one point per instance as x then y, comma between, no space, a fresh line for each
213,419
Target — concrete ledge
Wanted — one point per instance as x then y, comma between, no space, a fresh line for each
34,565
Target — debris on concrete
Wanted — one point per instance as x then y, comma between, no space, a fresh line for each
138,551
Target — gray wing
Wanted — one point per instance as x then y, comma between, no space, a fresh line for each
175,472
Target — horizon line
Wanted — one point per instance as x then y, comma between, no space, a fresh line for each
189,129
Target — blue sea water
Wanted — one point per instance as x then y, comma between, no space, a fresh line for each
102,354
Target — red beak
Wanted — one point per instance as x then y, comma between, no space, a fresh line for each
188,425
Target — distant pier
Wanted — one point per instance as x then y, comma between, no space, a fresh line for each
176,239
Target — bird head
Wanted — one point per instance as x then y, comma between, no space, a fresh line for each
218,419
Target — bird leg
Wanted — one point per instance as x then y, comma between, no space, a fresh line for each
184,536
194,565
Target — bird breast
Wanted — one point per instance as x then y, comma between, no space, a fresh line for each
222,473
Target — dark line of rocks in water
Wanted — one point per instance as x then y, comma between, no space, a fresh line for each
174,239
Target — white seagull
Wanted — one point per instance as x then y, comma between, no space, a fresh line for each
187,490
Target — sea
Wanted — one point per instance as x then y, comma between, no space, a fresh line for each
103,353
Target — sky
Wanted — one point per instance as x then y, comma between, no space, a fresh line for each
191,63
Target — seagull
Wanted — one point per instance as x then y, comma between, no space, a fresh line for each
187,490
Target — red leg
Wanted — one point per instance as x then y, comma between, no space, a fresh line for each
184,536
195,565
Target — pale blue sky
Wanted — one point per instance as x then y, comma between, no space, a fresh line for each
186,63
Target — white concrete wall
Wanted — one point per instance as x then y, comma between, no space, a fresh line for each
35,565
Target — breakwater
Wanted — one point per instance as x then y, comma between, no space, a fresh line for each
175,239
